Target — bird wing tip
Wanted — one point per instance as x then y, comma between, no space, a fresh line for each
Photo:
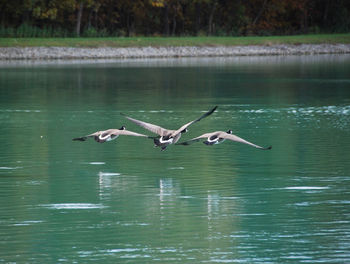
79,139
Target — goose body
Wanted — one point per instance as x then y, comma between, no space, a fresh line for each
167,136
218,137
109,135
213,140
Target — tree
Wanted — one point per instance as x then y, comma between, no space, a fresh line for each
173,17
213,7
79,14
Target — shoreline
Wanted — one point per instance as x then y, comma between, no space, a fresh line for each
44,53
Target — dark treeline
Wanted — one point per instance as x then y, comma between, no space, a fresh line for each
93,18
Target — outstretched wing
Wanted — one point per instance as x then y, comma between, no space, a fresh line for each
194,121
153,128
241,140
196,139
127,133
87,136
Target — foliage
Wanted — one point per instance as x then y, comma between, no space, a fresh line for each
26,30
100,18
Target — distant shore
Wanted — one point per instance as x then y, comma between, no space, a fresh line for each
38,53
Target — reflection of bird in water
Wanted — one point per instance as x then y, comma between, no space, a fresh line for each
219,137
167,136
110,134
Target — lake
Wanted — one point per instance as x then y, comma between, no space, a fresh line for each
124,201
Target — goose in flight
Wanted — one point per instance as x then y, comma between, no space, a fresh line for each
167,136
219,137
109,134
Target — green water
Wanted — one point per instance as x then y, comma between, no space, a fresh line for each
127,202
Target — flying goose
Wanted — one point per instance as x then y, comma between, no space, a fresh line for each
219,137
167,136
109,134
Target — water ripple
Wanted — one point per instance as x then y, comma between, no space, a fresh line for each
20,110
64,206
97,163
9,168
322,110
306,188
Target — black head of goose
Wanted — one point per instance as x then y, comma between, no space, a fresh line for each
167,136
219,137
109,134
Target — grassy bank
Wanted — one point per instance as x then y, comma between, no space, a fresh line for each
174,41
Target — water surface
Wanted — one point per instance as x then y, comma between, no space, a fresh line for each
127,202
